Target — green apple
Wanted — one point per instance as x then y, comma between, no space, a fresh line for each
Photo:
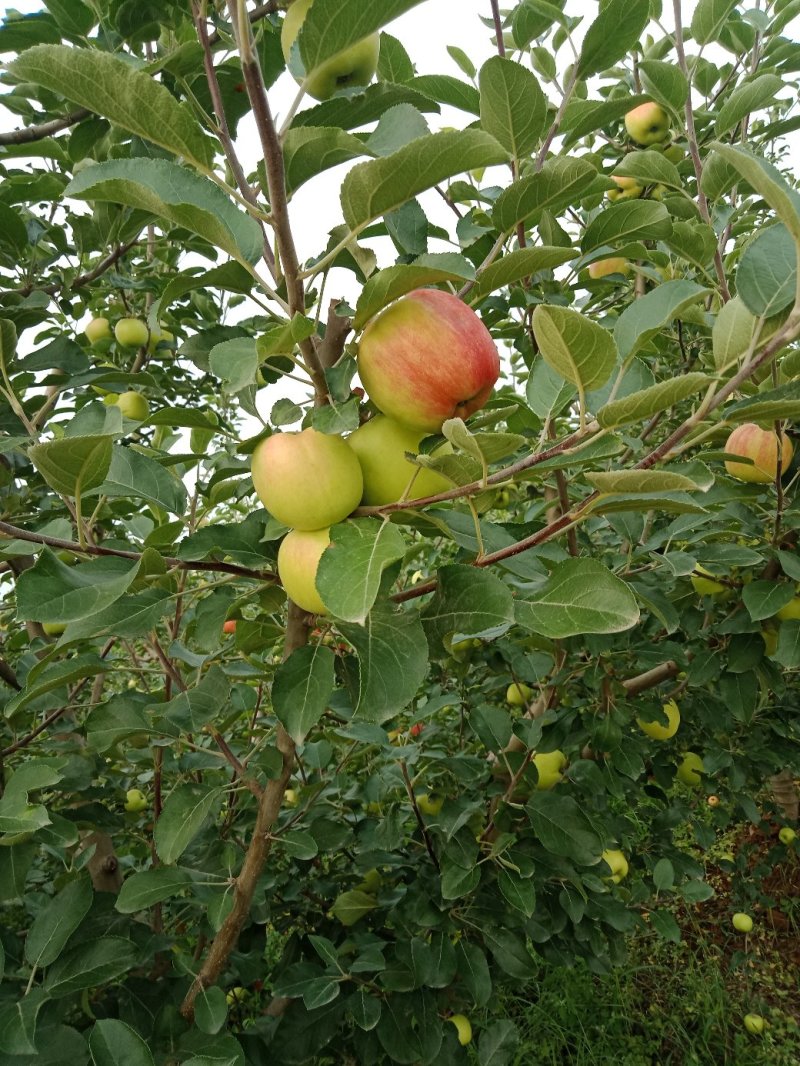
160,335
549,766
690,769
236,995
54,629
627,189
647,124
674,153
659,731
298,559
742,923
790,611
131,332
381,446
754,1024
518,695
761,447
463,1028
787,835
132,404
355,65
770,638
617,863
429,803
308,480
135,801
601,268
99,329
704,583
291,797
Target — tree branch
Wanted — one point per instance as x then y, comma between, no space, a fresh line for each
256,15
44,129
89,276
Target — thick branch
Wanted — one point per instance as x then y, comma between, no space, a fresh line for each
44,129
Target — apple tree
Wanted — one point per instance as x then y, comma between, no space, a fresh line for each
531,491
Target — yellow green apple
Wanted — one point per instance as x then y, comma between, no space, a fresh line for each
761,446
308,480
704,583
298,560
463,1028
770,638
99,329
381,446
518,695
160,335
54,629
131,332
627,189
549,766
658,730
355,65
132,404
790,611
647,124
787,835
291,797
429,803
236,995
742,923
135,801
754,1024
690,769
426,358
601,268
617,863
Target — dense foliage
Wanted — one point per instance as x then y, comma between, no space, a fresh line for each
233,832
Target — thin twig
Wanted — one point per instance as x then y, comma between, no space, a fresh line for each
44,129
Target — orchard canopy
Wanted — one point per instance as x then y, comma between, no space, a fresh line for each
378,620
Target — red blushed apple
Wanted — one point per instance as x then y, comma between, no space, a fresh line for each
427,358
761,446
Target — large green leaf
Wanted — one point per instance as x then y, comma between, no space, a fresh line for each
633,220
581,596
185,812
333,25
113,1043
57,921
768,182
767,275
50,591
468,602
73,465
134,474
558,184
709,17
579,349
89,964
309,150
395,281
516,265
563,829
665,82
513,107
644,318
350,570
302,688
118,91
617,29
640,405
746,98
145,889
176,194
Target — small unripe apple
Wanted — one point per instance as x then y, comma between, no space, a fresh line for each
355,65
463,1028
549,766
99,329
160,335
229,626
381,446
236,995
426,358
790,611
617,863
601,268
291,797
135,801
430,804
132,404
713,801
131,332
761,446
674,153
518,695
770,638
54,629
704,583
742,923
298,560
308,480
754,1024
787,835
690,769
647,124
628,189
659,731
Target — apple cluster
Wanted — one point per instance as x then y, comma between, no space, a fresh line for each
128,333
425,359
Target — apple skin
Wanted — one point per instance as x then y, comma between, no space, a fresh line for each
549,766
307,480
429,804
54,629
629,189
229,626
601,268
381,445
298,559
704,584
427,358
291,798
131,332
617,863
754,1024
135,801
132,404
99,329
761,446
787,835
770,638
647,124
742,923
356,65
463,1028
659,731
789,612
690,769
518,695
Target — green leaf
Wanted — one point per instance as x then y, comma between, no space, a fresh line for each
546,390
763,599
709,17
448,90
113,1043
766,278
309,150
176,194
557,185
649,168
650,481
129,616
333,25
134,474
733,332
395,281
581,596
185,812
349,907
663,875
148,887
397,127
473,971
665,925
497,1043
282,338
90,963
467,602
513,107
563,829
57,921
767,181
18,1021
516,265
587,116
352,112
648,316
394,62
665,83
364,1009
47,678
746,98
235,362
783,402
393,660
375,188
350,570
788,651
230,276
519,892
638,406
632,220
302,688
50,591
579,349
615,31
73,465
210,1010
115,89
